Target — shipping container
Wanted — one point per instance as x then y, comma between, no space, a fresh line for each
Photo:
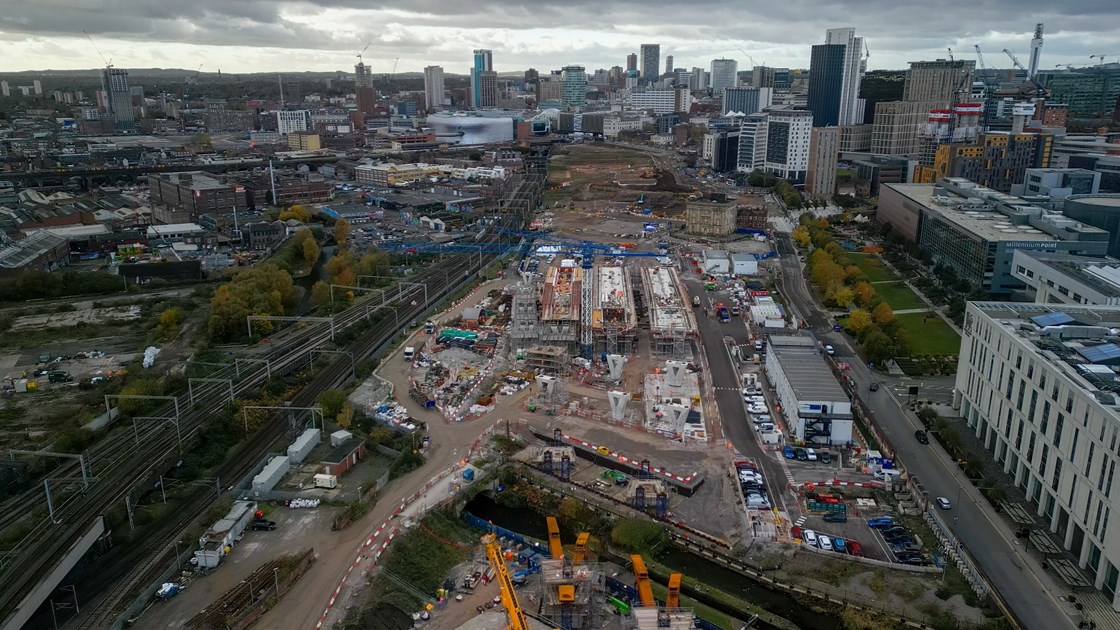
302,447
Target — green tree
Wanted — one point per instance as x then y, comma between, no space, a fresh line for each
332,402
320,294
877,345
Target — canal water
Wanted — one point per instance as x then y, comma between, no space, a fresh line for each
530,523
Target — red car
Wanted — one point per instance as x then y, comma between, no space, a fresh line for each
854,549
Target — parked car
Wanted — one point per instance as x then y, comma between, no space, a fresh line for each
839,546
894,529
824,542
917,562
836,517
800,454
943,503
261,524
809,536
825,457
811,454
787,452
921,437
880,522
855,549
829,350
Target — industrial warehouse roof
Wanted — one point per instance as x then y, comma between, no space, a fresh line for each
805,368
22,253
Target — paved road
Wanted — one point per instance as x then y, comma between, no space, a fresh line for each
1028,591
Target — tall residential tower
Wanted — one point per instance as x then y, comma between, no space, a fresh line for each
433,88
484,81
651,62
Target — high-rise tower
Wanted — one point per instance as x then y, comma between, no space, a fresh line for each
433,88
363,89
1036,51
835,71
484,83
651,62
118,96
724,74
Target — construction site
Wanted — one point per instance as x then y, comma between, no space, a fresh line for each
541,587
618,330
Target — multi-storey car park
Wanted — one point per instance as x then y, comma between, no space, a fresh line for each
1039,386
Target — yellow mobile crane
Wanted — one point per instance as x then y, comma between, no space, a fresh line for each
505,584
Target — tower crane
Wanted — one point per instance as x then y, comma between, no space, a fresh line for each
1102,57
554,545
108,62
1040,92
641,581
362,52
505,584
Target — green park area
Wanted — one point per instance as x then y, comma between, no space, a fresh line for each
928,334
898,295
871,266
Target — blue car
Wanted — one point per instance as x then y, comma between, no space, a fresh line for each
839,546
787,452
880,522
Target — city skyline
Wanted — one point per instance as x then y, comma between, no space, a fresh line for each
241,36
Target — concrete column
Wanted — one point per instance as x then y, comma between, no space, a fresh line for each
1086,549
1102,570
1041,510
1067,543
1057,513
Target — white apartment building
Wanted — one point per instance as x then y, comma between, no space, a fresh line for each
788,136
1038,384
752,143
660,101
289,121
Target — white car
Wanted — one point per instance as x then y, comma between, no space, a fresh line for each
944,503
809,536
760,418
758,409
830,350
824,542
755,398
812,455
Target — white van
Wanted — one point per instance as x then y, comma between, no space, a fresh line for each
409,353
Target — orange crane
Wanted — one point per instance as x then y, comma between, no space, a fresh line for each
505,584
641,581
673,599
554,545
580,551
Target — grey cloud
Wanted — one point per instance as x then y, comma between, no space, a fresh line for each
702,27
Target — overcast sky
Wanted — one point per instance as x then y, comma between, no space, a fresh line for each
324,35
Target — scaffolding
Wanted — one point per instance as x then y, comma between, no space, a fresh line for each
671,322
614,318
569,594
524,321
547,359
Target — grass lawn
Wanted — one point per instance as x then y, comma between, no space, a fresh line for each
933,337
871,267
898,295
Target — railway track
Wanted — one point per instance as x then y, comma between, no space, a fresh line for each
120,471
